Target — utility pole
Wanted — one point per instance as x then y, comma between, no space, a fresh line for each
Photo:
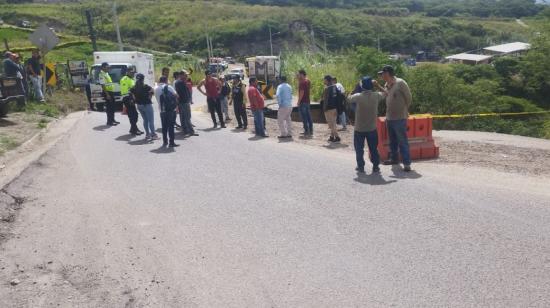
325,38
6,44
270,40
91,29
312,40
119,39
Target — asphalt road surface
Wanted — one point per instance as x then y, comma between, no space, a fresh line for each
229,221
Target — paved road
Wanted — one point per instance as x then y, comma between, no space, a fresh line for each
225,221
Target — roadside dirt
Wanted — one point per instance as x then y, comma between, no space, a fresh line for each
505,157
17,128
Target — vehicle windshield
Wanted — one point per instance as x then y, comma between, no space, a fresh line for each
116,72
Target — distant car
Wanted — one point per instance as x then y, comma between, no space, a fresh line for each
25,24
235,72
230,60
216,69
183,53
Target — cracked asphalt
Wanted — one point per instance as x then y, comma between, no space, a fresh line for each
226,220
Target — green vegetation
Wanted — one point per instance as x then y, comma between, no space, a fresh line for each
242,30
7,143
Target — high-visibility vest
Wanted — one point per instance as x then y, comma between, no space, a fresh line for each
126,83
105,80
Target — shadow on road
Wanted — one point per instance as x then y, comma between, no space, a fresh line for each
163,150
374,179
180,136
211,129
286,140
238,130
101,128
306,137
4,123
334,146
398,173
127,137
256,138
140,142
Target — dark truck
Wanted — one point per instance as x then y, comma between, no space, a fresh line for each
11,90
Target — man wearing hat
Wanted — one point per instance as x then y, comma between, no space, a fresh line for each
239,98
366,113
126,83
108,93
398,100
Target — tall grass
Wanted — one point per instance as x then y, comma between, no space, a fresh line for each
317,66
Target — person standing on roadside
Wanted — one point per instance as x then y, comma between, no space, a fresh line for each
167,99
366,115
342,118
108,93
257,105
142,94
330,106
33,67
398,100
284,99
212,93
238,98
225,91
304,88
126,83
184,103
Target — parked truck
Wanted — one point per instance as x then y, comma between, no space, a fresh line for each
267,70
119,62
11,90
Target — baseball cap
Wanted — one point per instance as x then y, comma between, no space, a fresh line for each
366,83
387,69
104,64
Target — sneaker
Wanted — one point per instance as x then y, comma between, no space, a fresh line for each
147,137
139,133
173,145
281,137
331,139
375,169
391,162
223,126
215,125
245,127
337,139
407,168
164,144
360,170
239,127
154,137
116,122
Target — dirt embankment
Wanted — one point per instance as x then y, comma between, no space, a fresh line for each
511,154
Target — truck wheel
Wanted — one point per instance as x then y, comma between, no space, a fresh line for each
100,107
3,109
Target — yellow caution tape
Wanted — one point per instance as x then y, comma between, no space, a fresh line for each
491,114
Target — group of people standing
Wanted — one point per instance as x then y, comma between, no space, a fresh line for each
28,74
364,100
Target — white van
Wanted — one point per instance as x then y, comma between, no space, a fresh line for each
119,62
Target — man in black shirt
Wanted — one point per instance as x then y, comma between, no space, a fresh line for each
184,103
33,67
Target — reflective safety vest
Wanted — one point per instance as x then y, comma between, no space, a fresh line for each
106,81
126,83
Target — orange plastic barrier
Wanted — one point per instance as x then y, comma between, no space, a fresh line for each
419,132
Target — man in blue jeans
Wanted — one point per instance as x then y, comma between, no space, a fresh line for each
366,114
398,100
304,87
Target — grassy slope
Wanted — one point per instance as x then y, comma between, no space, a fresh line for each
174,25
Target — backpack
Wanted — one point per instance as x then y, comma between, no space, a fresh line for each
340,101
167,100
225,89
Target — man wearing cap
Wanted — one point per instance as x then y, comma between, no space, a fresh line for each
366,113
239,97
398,100
126,83
224,94
212,86
33,67
108,93
184,103
257,105
330,107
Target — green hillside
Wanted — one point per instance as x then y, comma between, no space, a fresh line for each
238,28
